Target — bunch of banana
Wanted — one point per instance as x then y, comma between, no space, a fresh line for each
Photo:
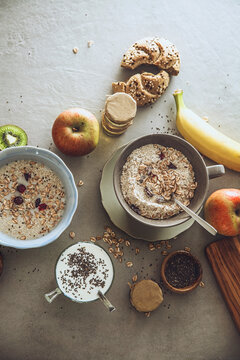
209,141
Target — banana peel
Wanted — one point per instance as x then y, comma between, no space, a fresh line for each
205,138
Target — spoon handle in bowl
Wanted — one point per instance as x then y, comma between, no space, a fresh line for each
197,218
106,302
52,295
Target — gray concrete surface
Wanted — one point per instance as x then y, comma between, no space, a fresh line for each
40,77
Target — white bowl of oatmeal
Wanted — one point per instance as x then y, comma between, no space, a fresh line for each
38,197
152,168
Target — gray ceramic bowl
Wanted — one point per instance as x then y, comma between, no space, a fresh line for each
202,175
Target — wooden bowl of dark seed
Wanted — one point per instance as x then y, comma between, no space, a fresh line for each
181,272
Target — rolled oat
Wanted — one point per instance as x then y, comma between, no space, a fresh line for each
151,174
32,199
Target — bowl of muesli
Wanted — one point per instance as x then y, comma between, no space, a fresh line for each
38,197
153,168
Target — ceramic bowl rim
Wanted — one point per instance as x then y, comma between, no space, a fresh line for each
150,222
53,235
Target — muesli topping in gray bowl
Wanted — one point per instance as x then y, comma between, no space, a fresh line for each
151,174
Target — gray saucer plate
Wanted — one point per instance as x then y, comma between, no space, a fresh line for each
125,222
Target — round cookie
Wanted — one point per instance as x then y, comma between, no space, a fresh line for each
120,108
146,296
114,128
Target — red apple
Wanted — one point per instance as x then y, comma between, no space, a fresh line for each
222,210
76,132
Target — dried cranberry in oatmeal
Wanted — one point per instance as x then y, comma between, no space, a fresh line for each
38,185
151,174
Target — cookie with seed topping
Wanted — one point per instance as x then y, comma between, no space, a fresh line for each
153,51
144,88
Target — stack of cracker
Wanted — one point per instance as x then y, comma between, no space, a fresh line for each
120,110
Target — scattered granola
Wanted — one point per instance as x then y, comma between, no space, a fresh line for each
151,247
90,43
75,50
116,247
151,174
80,183
72,234
129,264
202,284
164,253
108,230
129,284
187,249
134,278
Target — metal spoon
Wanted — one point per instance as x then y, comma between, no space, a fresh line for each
197,218
105,301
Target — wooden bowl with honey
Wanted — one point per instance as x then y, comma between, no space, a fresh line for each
181,272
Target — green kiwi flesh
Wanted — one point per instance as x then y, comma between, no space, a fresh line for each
12,135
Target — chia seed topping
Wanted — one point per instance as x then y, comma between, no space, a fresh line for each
82,270
182,270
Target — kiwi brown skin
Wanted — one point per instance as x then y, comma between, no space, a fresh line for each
15,131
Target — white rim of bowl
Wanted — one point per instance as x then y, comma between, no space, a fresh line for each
56,232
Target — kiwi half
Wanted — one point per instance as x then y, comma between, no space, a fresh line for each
12,135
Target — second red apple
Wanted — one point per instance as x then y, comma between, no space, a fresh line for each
222,210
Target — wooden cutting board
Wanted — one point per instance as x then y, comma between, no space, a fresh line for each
224,257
